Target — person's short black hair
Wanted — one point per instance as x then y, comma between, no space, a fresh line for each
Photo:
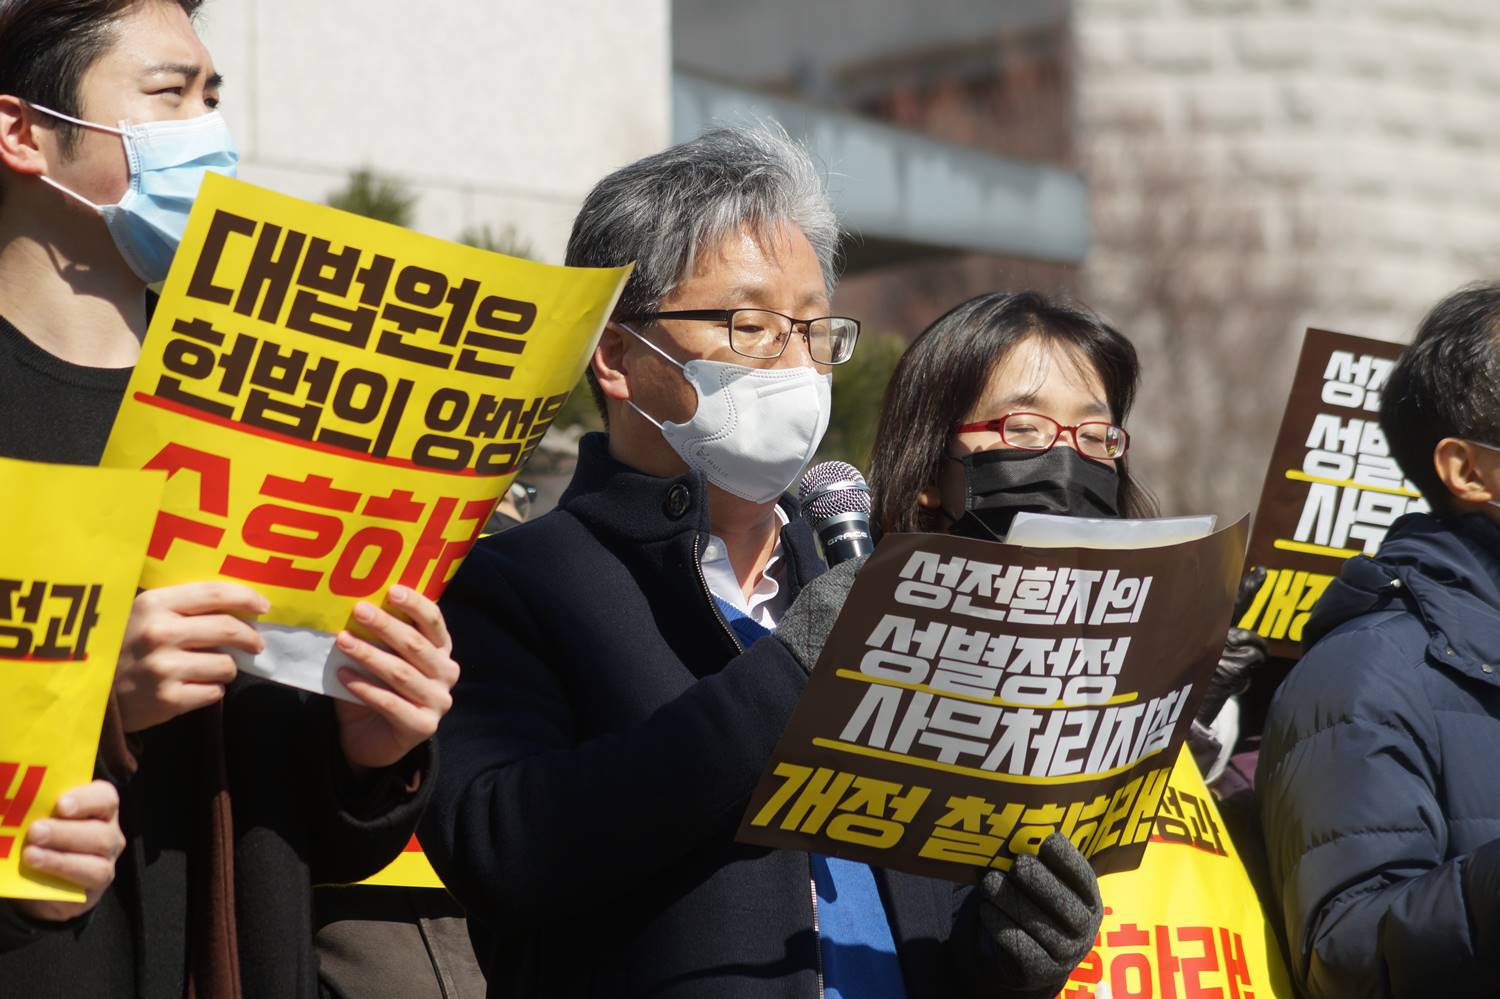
1446,384
47,45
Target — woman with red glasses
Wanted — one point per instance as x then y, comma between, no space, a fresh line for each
1007,403
1011,403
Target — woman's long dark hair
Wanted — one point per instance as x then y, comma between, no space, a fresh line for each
945,371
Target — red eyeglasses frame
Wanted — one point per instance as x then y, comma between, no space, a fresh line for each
997,425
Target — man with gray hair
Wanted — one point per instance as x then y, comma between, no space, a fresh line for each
616,707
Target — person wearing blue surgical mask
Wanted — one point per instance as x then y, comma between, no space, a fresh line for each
75,255
237,795
167,160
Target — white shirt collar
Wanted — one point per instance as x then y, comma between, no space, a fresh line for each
767,600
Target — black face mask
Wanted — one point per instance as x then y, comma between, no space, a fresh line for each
1001,483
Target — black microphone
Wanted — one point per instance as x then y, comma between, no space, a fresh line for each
836,500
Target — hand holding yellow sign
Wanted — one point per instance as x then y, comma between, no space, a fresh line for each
67,579
338,404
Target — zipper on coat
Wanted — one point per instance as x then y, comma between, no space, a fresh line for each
812,883
708,594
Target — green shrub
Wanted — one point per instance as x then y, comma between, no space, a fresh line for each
508,241
375,197
858,389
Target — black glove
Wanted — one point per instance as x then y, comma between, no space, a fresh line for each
805,626
1244,651
1042,916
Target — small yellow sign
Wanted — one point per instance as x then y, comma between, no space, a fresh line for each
76,538
409,870
1187,922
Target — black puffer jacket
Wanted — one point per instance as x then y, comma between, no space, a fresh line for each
1379,777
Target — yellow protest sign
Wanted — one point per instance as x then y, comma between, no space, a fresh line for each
338,404
1187,922
411,869
75,538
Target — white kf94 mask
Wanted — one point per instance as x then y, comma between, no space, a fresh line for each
754,430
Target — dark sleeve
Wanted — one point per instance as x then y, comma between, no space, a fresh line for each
528,818
1357,837
357,825
15,929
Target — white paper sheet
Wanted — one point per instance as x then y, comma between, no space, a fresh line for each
299,657
1045,530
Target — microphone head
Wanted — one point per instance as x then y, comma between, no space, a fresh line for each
830,489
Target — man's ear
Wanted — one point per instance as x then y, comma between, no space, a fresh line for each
18,148
608,363
1457,463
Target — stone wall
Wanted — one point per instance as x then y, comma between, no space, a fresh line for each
1258,166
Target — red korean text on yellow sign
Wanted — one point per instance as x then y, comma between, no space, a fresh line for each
75,541
339,402
1187,922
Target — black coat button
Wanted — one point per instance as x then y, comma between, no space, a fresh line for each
679,498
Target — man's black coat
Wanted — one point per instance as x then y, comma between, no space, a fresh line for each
606,735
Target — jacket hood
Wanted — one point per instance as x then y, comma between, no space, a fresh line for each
1446,571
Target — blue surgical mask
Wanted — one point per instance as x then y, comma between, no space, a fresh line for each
168,160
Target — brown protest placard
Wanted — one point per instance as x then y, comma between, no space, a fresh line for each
1332,489
975,697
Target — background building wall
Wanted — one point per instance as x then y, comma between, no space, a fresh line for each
498,112
993,77
1258,166
1378,116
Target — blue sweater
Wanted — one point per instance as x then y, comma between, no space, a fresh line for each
854,935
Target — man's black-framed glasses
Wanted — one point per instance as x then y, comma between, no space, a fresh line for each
763,334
